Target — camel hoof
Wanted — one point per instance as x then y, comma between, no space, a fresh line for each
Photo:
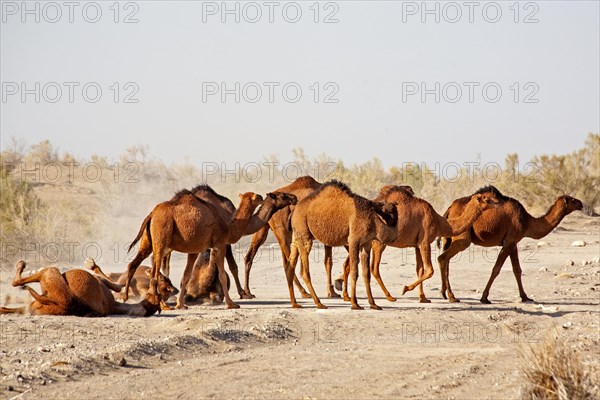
181,307
306,295
346,298
167,308
338,284
444,295
405,289
485,301
391,299
233,305
333,295
247,296
375,307
455,300
526,300
296,305
321,306
424,300
357,307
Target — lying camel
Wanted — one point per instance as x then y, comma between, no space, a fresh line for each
418,226
77,292
204,285
336,216
140,282
503,226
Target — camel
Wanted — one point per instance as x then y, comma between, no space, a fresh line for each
190,225
204,285
76,292
140,282
503,226
418,226
336,216
280,225
273,202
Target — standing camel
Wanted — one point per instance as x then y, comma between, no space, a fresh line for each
76,292
503,226
336,216
274,202
418,226
280,225
190,225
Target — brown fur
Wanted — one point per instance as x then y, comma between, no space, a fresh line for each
418,226
280,224
140,282
76,292
204,285
190,225
337,217
503,226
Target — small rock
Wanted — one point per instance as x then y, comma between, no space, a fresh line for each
578,243
10,389
567,325
584,262
543,244
596,260
122,362
569,263
543,269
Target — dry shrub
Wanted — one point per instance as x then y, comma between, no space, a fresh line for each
552,370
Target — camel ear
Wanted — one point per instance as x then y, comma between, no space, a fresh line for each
240,195
272,195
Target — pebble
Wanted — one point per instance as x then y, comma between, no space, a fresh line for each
584,262
122,362
543,269
596,260
567,325
578,243
543,244
569,263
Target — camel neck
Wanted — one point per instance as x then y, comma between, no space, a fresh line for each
463,222
260,218
385,233
239,221
539,227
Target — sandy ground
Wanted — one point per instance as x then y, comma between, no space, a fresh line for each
268,350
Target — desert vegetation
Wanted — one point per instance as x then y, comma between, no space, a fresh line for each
41,186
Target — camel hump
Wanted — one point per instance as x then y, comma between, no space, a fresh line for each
89,263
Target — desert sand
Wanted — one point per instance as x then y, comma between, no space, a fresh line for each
267,350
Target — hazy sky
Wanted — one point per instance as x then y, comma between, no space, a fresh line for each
375,61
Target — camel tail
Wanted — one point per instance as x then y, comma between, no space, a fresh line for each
17,310
439,239
145,226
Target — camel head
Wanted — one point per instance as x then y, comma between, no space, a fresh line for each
387,212
253,199
151,303
569,204
165,287
281,199
402,189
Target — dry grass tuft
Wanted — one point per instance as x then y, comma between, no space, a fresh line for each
552,370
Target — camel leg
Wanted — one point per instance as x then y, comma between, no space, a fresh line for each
328,266
290,268
258,239
444,263
516,265
304,249
185,279
166,265
233,267
504,252
219,256
425,250
366,272
20,281
284,238
354,255
422,297
144,251
378,249
115,287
